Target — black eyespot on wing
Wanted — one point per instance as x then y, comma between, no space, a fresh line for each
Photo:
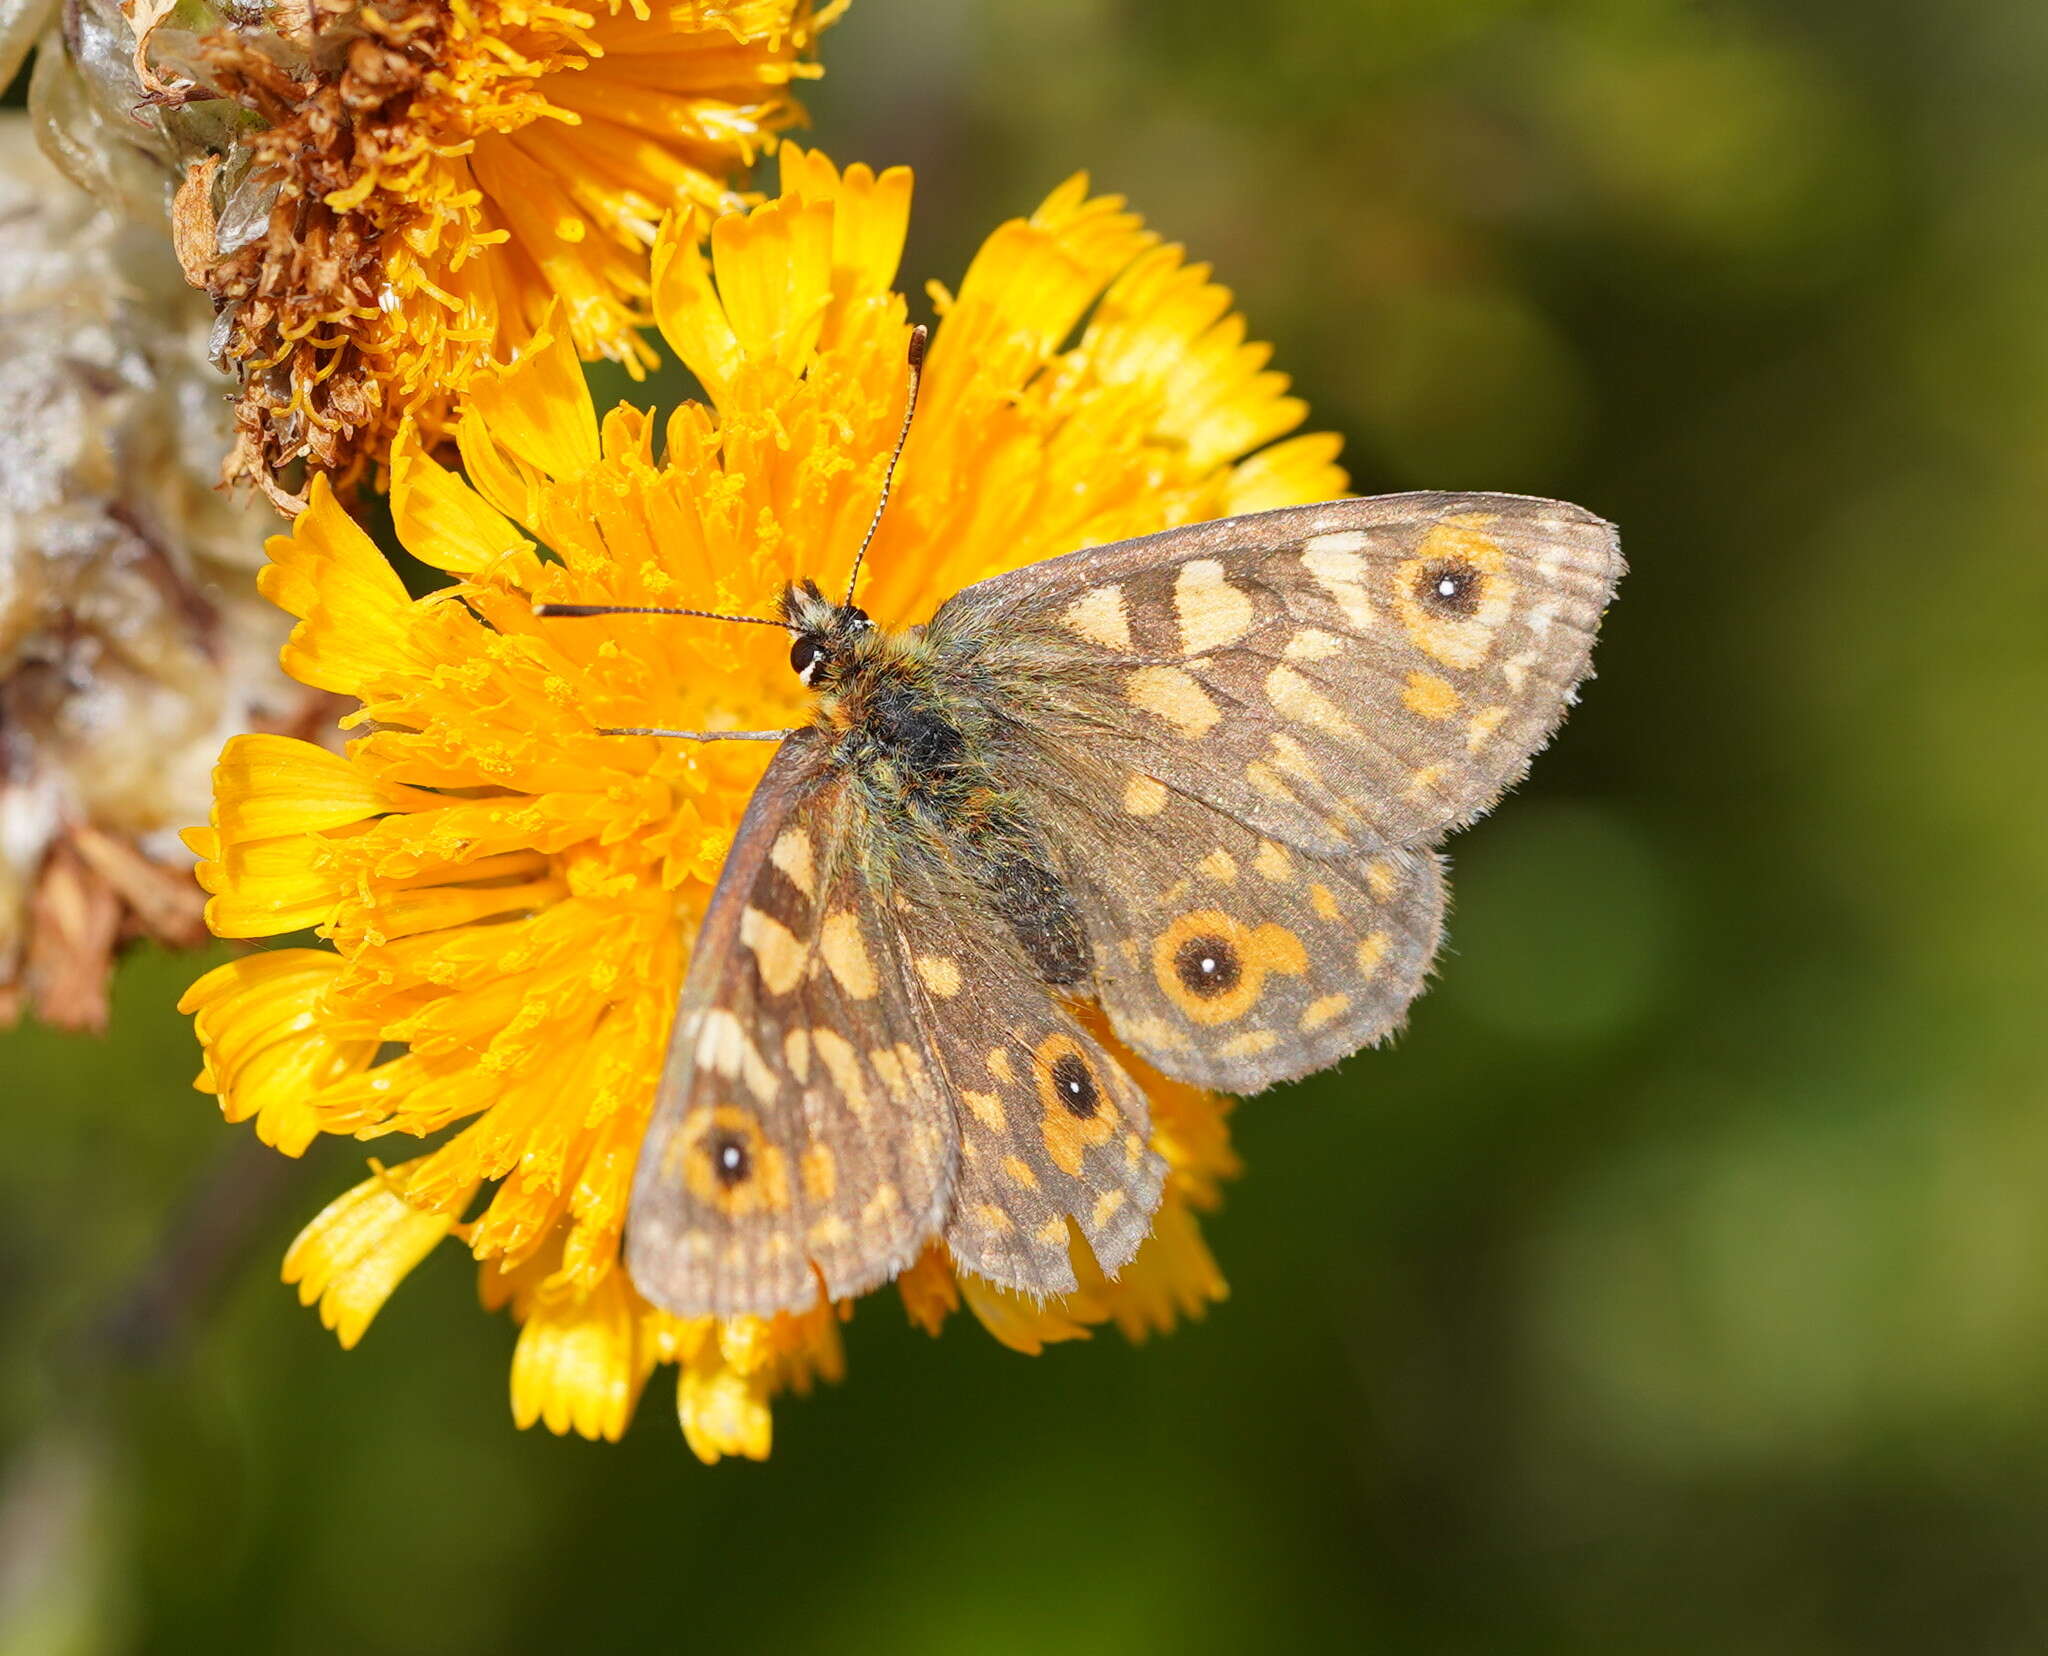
1450,586
1207,966
1075,1087
730,1163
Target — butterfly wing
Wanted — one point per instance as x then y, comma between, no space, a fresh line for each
797,1139
1239,736
863,1061
1344,677
1054,1133
1227,958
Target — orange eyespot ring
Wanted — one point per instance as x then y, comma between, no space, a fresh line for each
1454,594
1214,967
1204,964
1076,1110
728,1163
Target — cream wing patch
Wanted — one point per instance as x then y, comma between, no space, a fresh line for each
1210,611
792,854
1336,563
780,958
1144,796
1172,695
1100,618
846,955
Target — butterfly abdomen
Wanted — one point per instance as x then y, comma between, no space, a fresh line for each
1032,900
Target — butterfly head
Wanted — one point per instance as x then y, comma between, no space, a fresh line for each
825,634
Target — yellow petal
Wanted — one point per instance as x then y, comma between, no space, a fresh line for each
359,1248
870,221
539,409
1022,1323
278,1085
443,521
1027,287
774,272
270,1041
1164,328
929,1289
254,975
687,310
723,1412
1174,1276
266,887
1301,469
265,787
587,276
577,1366
352,606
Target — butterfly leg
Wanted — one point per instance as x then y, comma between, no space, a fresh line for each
697,735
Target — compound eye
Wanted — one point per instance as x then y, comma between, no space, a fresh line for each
857,617
803,656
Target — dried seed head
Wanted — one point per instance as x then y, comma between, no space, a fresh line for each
132,641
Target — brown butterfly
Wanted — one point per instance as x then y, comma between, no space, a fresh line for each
1193,778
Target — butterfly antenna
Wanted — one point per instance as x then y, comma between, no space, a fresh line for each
648,609
918,335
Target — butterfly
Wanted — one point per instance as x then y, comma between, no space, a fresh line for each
1193,780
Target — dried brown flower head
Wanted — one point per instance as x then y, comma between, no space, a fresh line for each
386,199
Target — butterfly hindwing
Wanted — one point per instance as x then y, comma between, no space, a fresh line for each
1351,676
1052,1128
1229,959
1056,1134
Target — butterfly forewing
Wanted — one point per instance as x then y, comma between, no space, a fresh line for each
800,1138
864,1060
1345,677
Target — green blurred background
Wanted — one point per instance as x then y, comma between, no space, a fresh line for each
1679,1283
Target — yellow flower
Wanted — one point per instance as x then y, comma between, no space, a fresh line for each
509,898
428,179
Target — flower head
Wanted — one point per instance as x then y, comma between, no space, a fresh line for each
131,637
509,897
407,186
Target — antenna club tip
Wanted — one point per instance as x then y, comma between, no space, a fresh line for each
918,335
